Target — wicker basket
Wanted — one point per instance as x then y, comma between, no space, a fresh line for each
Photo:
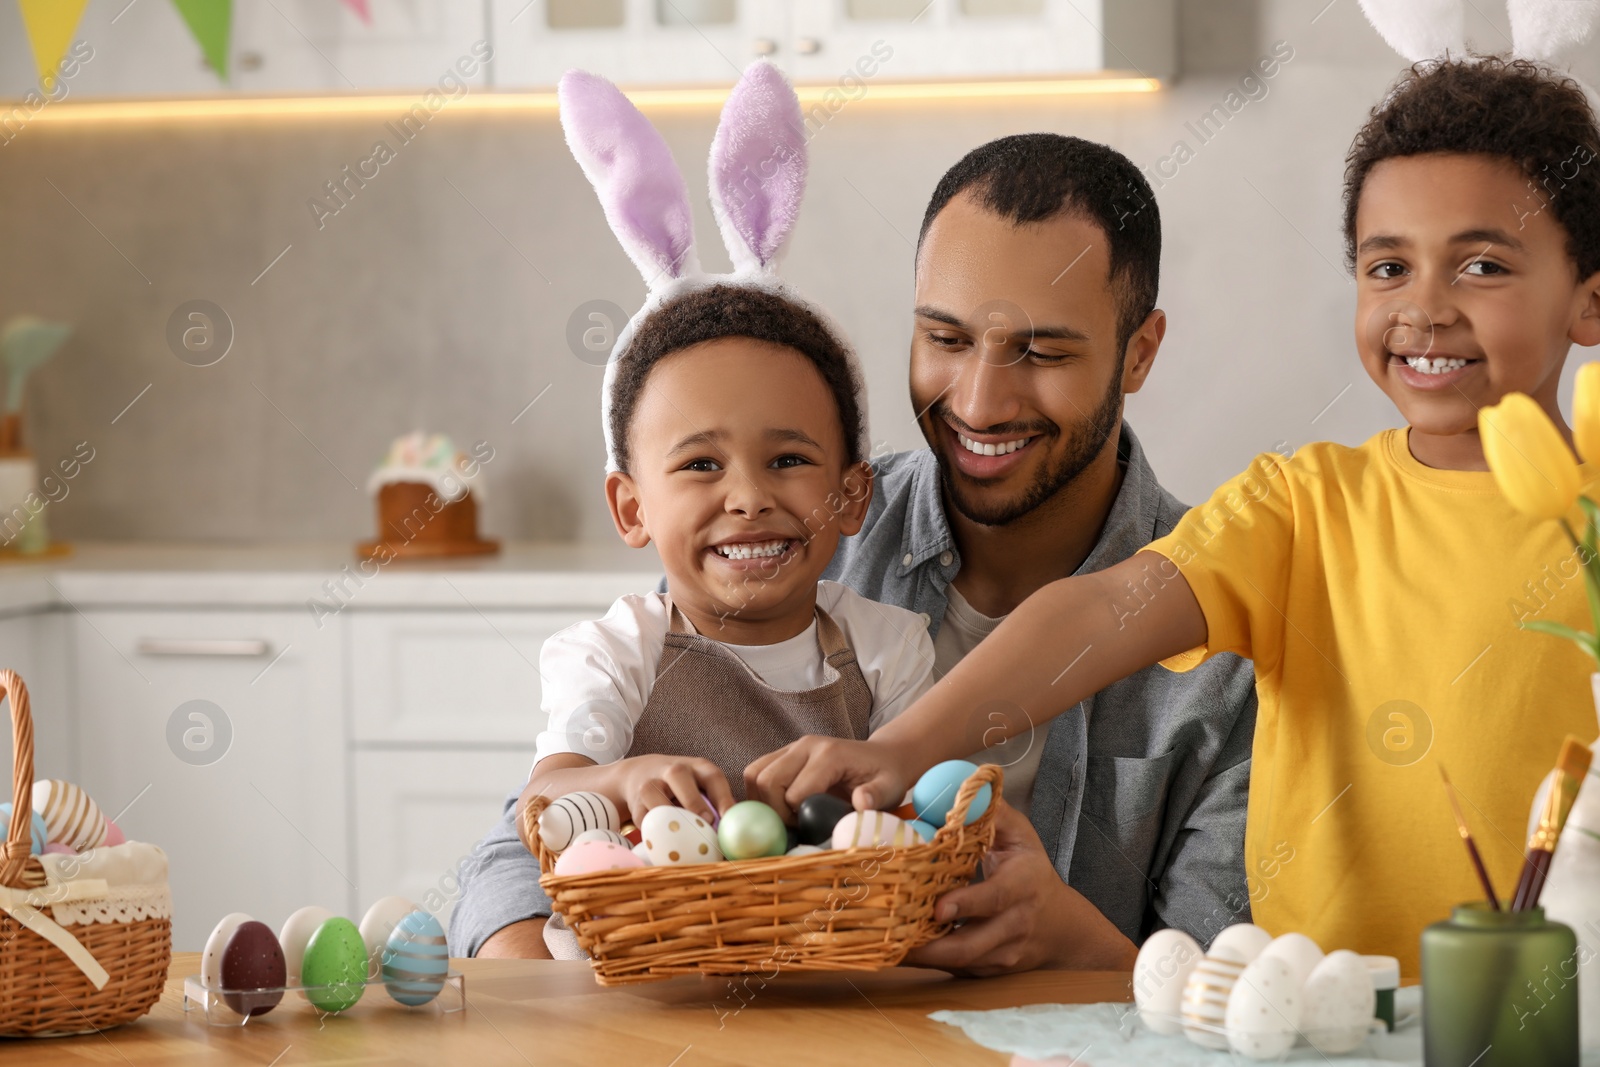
855,909
41,991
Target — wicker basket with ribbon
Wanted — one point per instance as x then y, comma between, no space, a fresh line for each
846,909
85,939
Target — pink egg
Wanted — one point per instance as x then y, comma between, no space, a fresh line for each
590,857
113,835
56,848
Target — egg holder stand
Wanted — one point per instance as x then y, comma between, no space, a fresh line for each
858,909
451,999
1134,1020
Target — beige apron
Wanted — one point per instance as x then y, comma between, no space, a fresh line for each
706,702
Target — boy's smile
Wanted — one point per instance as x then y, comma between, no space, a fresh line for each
1463,295
739,475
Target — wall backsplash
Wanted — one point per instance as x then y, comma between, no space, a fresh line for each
438,296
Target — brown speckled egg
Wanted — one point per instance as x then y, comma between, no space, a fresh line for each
253,960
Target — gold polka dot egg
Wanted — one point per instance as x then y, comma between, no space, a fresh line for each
674,837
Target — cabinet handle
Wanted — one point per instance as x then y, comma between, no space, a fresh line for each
160,646
808,46
764,46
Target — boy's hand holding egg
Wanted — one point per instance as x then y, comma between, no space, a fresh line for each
875,773
642,783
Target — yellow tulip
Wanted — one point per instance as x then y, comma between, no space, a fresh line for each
1532,464
1586,412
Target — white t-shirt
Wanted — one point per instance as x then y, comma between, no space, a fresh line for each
597,676
962,629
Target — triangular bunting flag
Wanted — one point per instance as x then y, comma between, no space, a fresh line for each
211,22
360,8
50,25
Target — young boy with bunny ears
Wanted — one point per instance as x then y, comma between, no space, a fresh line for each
736,433
1378,589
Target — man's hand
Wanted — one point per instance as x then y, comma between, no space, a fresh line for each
871,770
1022,915
519,941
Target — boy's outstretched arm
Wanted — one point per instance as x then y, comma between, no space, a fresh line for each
1063,644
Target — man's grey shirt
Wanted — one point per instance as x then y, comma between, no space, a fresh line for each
1141,793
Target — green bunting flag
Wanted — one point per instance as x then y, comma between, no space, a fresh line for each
211,22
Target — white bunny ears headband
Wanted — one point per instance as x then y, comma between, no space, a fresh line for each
757,178
1429,29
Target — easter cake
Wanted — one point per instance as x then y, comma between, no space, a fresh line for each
427,494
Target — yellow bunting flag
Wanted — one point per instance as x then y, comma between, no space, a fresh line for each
50,25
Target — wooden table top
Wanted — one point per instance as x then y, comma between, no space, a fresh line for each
538,1012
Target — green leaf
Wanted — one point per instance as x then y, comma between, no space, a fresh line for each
1587,642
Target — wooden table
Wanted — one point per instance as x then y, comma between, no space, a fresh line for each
534,1013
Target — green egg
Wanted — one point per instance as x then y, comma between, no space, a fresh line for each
334,968
750,829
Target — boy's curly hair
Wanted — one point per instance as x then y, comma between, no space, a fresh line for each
1533,116
719,311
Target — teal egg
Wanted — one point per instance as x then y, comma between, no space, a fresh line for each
935,792
924,830
749,830
334,968
416,959
40,835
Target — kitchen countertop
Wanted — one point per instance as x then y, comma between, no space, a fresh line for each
135,574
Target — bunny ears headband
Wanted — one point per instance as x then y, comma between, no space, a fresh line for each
1428,29
757,179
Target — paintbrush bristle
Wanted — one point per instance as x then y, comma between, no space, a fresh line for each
1575,757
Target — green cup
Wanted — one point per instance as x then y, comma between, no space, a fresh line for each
1499,989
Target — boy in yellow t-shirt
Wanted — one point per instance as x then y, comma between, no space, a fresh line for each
1378,589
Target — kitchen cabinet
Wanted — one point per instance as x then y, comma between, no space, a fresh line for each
34,645
219,735
419,813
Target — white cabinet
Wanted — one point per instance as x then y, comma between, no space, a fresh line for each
247,792
34,646
450,677
418,815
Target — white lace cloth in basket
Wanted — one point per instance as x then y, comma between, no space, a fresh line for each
135,874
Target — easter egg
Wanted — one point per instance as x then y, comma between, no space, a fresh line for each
1240,943
570,815
1338,1004
113,835
296,933
1263,1014
334,969
804,850
253,974
1160,973
56,848
590,857
935,792
601,834
1204,1005
39,833
924,830
638,850
1298,951
750,830
872,829
216,944
716,816
416,959
818,814
70,815
630,833
675,837
378,923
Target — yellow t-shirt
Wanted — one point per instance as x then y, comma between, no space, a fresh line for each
1380,600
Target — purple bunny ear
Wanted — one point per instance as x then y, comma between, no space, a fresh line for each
632,170
758,168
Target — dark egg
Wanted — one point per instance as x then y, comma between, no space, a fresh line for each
817,816
253,972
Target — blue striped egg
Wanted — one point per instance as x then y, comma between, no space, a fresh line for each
415,959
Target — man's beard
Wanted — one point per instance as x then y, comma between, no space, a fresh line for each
1054,476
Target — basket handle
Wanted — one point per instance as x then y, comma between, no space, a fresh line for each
989,774
528,830
19,840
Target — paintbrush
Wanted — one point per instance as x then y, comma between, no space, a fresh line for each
1466,839
1570,769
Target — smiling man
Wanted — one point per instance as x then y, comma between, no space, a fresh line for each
1036,279
1035,315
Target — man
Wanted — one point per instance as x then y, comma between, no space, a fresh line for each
1036,280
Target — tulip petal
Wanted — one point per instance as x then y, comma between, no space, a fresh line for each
1586,412
1531,463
